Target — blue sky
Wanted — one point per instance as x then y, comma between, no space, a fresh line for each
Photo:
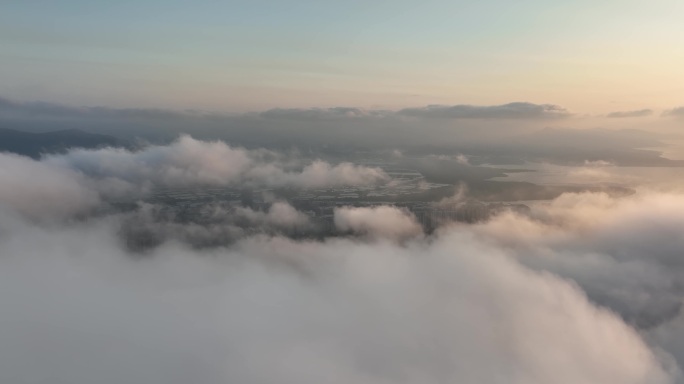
251,55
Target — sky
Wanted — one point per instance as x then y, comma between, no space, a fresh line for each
591,57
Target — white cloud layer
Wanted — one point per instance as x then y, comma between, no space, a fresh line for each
188,162
78,309
38,189
75,182
382,221
583,289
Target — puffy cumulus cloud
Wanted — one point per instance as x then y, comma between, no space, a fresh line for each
462,159
635,113
382,221
78,309
189,162
318,174
626,253
518,110
41,190
76,182
184,162
591,172
598,163
280,214
458,198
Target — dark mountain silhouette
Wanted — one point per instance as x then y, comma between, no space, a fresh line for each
37,144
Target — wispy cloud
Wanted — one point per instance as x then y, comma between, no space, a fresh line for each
635,113
518,110
336,113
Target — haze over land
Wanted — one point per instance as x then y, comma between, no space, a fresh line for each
305,192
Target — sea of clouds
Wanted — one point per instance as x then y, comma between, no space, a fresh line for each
586,288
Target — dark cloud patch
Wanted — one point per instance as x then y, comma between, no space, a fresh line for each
506,134
518,110
675,112
316,114
636,113
40,108
37,144
210,224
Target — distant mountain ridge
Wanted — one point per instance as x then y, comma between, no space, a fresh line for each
37,144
